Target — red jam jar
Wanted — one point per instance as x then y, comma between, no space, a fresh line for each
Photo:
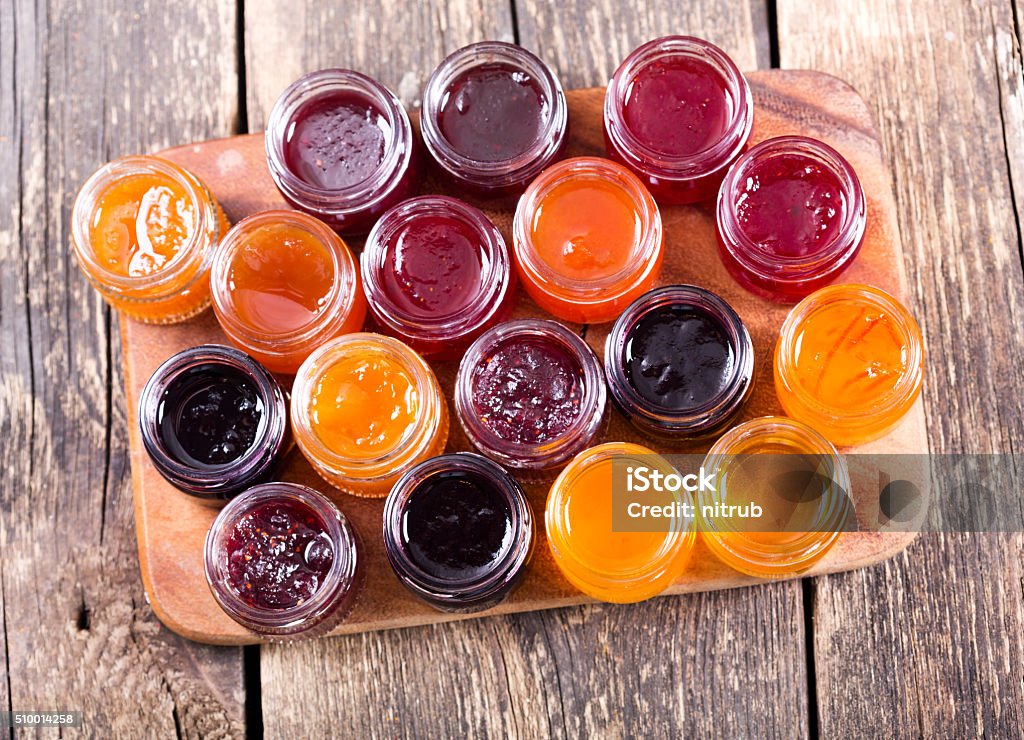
340,147
283,284
437,274
283,562
494,115
678,112
791,217
530,394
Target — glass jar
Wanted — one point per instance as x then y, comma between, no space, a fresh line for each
791,216
437,274
494,116
679,363
678,112
458,532
213,421
283,562
588,239
612,566
340,147
143,231
530,394
365,409
283,283
798,480
849,362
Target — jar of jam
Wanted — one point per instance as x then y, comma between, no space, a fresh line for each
791,217
340,147
530,394
437,274
283,562
494,116
283,283
678,112
143,231
458,532
213,421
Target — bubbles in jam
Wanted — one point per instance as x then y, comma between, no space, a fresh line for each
209,416
528,391
279,553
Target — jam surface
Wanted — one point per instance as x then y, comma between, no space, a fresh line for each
528,391
278,555
432,266
456,526
677,106
209,416
493,112
140,223
336,140
790,206
678,357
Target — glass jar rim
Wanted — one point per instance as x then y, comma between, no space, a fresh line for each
642,156
521,454
338,580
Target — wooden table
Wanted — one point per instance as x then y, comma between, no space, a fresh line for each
929,643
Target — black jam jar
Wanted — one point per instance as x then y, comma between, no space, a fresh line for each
458,532
340,147
213,421
494,116
679,363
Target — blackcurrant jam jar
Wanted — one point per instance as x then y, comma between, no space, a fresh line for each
283,561
679,363
437,273
494,116
340,147
213,421
531,395
458,532
678,113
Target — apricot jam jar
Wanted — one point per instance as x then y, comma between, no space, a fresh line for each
143,230
366,408
283,283
791,217
587,239
458,532
494,116
679,363
796,478
283,562
531,395
849,363
213,421
340,147
608,565
678,112
437,274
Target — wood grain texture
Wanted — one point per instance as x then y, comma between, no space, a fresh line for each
945,646
81,82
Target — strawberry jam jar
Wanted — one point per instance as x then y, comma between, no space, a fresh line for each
678,112
340,147
791,217
283,562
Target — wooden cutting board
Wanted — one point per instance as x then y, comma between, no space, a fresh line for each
172,526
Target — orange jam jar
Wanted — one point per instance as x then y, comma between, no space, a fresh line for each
588,239
283,283
620,567
849,363
143,230
366,408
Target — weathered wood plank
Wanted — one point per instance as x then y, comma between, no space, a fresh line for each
82,82
944,652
